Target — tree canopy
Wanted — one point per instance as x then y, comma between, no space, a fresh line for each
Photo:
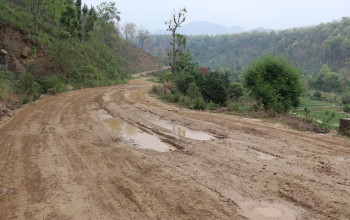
274,82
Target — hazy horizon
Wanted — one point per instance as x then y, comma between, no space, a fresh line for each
248,14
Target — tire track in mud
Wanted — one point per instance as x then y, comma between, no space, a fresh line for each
60,161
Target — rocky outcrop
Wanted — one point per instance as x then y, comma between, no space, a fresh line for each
4,59
344,126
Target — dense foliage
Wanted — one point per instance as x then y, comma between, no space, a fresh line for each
274,82
307,48
83,41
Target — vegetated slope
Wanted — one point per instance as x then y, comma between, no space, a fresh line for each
40,57
60,160
20,47
308,48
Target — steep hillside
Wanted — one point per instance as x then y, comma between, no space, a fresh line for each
19,50
42,55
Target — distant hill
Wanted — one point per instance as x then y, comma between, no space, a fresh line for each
308,48
260,30
205,28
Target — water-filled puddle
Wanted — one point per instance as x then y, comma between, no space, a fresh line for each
182,131
140,138
269,212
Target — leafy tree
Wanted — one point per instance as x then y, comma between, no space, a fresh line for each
326,80
108,13
106,24
142,34
274,82
214,89
90,19
35,8
235,90
129,29
69,20
177,41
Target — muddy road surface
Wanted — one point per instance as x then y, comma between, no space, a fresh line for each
117,153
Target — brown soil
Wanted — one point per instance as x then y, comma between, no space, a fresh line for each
20,46
59,160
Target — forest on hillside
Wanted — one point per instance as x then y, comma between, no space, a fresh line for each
307,48
46,45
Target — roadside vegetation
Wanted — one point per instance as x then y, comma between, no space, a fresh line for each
270,87
84,45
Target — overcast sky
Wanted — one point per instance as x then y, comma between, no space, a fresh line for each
248,14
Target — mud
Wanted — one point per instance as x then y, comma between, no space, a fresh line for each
60,160
141,139
182,131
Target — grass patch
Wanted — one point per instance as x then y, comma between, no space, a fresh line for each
325,114
5,89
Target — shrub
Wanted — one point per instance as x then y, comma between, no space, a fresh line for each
199,104
5,89
345,99
183,82
53,85
185,101
154,89
214,89
317,95
346,109
166,77
28,84
212,106
274,82
193,90
233,107
235,90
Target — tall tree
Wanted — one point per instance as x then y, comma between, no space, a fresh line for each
35,8
142,34
173,24
129,29
108,13
69,20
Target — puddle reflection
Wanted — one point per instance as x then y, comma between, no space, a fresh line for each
182,131
140,138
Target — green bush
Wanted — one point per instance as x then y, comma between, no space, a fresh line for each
317,96
185,101
199,104
274,82
165,77
193,90
53,85
154,89
212,106
28,84
345,99
346,108
183,82
214,90
234,107
235,90
5,89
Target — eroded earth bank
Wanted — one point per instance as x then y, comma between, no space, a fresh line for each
84,155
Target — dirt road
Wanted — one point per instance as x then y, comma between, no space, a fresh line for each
81,155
